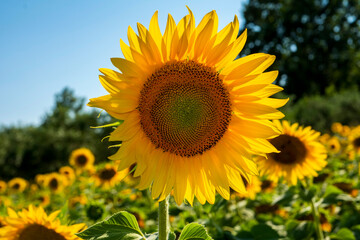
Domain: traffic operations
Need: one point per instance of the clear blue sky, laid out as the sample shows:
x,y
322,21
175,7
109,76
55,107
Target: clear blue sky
x,y
47,45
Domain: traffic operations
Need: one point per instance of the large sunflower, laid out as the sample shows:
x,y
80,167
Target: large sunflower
x,y
34,223
300,154
82,159
192,114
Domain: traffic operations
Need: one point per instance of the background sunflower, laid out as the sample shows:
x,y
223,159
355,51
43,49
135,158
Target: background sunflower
x,y
301,155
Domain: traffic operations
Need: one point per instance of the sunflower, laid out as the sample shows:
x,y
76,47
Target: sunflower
x,y
336,127
333,145
252,188
3,186
17,185
108,176
82,159
55,182
354,140
34,223
43,199
68,172
193,116
40,179
301,154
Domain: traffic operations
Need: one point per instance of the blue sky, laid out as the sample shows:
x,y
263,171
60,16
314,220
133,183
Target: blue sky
x,y
48,45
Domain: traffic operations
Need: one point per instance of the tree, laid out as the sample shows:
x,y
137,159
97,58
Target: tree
x,y
316,42
28,150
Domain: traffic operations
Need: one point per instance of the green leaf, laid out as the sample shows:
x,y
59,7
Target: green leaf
x,y
194,231
263,231
300,230
121,225
343,234
155,236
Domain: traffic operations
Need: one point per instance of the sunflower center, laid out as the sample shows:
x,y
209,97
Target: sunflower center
x,y
107,174
39,232
81,160
54,184
184,108
292,149
16,186
356,142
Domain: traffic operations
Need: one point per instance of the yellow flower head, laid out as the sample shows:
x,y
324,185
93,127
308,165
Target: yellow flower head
x,y
193,115
336,127
333,145
34,223
17,185
55,182
82,159
252,188
68,173
354,140
108,176
300,154
40,179
3,186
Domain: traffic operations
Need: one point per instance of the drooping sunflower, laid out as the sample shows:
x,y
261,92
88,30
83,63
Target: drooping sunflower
x,y
108,176
300,155
69,173
34,223
3,186
193,116
82,159
55,182
17,185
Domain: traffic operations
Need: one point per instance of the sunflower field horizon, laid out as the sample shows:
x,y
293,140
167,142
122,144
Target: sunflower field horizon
x,y
206,127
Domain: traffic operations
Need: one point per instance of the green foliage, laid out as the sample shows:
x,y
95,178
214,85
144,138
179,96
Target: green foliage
x,y
28,150
316,42
194,231
121,225
320,112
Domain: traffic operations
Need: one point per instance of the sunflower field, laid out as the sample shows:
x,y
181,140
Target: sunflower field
x,y
83,193
200,152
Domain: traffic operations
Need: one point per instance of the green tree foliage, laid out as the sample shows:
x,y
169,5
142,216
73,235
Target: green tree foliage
x,y
316,42
28,150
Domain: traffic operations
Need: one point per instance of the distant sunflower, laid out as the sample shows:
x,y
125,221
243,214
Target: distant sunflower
x,y
40,179
34,223
336,127
82,159
55,182
68,172
108,176
354,140
333,145
43,199
3,186
193,116
252,188
300,154
17,185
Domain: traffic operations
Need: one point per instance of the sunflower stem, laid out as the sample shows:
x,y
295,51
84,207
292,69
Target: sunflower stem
x,y
316,216
164,226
